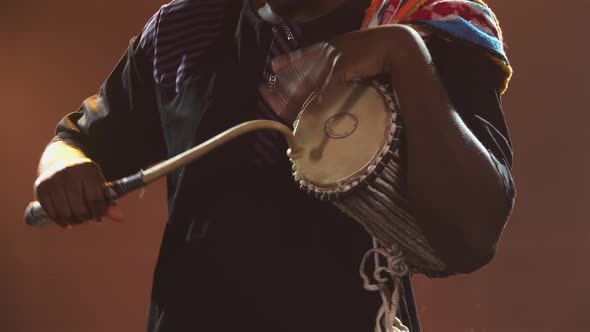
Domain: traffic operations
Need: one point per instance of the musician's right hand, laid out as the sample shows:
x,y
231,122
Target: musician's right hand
x,y
71,192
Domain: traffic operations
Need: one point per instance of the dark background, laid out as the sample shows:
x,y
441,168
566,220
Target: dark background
x,y
97,278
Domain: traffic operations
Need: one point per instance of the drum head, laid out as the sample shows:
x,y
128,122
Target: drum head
x,y
343,136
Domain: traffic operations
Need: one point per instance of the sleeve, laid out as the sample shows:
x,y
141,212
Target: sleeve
x,y
473,82
119,128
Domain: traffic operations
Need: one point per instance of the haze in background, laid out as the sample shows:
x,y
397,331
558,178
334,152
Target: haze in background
x,y
95,279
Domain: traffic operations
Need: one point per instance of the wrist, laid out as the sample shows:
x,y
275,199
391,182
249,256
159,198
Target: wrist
x,y
59,155
61,164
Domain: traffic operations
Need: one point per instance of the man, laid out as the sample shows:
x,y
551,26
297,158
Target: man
x,y
243,247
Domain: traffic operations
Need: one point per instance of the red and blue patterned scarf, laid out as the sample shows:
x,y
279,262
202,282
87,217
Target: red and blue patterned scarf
x,y
471,21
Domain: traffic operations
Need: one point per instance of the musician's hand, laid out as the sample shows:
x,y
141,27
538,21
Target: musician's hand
x,y
71,193
325,67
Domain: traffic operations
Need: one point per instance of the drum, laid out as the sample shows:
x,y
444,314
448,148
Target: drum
x,y
352,159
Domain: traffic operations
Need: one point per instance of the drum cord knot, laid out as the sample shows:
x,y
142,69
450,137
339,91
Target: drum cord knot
x,y
390,267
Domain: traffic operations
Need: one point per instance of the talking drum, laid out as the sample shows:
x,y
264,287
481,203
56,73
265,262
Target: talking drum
x,y
352,159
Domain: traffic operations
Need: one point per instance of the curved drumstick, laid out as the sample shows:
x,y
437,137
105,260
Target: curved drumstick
x,y
35,216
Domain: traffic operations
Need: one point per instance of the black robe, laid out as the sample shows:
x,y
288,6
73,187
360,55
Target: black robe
x,y
243,247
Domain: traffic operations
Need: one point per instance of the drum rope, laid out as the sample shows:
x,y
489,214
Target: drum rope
x,y
392,271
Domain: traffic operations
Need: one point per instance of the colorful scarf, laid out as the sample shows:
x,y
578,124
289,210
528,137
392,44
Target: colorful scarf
x,y
471,21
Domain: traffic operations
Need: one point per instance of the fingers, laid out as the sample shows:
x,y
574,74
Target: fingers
x,y
299,74
325,67
59,198
45,200
314,51
306,69
79,210
94,198
333,81
74,195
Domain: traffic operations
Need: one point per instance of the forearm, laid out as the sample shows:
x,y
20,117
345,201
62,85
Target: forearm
x,y
454,188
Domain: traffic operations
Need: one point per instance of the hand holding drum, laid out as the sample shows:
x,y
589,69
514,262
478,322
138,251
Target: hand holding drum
x,y
351,128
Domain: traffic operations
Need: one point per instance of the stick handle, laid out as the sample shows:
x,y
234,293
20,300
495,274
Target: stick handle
x,y
35,215
295,150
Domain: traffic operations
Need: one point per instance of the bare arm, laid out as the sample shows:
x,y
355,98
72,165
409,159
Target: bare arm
x,y
454,187
118,129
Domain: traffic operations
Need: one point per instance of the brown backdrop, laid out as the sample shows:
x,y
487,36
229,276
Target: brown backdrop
x,y
95,279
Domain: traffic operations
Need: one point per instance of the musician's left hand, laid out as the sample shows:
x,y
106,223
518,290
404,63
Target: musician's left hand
x,y
325,67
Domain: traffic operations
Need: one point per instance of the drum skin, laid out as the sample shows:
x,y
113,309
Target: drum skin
x,y
342,136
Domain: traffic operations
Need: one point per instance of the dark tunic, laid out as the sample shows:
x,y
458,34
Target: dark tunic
x,y
243,248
